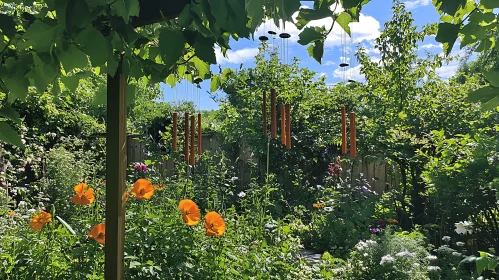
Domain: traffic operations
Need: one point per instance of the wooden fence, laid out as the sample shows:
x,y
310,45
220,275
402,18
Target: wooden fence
x,y
379,176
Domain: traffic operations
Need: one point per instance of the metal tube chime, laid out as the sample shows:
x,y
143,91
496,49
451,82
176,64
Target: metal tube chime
x,y
186,137
200,136
288,126
353,136
273,116
193,133
343,130
283,124
175,125
264,113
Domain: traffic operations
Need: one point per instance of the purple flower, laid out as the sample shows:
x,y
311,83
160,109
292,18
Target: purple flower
x,y
139,166
374,230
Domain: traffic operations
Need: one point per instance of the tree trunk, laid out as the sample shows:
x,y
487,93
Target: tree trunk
x,y
417,199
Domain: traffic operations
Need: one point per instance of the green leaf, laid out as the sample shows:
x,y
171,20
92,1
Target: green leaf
x,y
44,72
171,46
491,104
41,34
219,11
185,17
215,83
492,263
307,15
203,68
492,78
481,264
95,45
66,225
449,6
343,20
256,12
17,83
77,15
9,135
204,49
447,35
100,97
10,113
490,4
8,25
126,9
348,4
486,44
72,82
71,58
316,50
130,94
172,80
310,34
483,94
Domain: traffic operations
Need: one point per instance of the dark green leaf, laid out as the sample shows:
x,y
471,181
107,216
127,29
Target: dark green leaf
x,y
310,34
71,58
490,4
9,135
483,94
307,15
100,97
7,25
95,45
316,50
481,264
77,15
449,6
204,48
447,35
41,34
492,78
491,104
203,68
347,4
185,17
171,46
126,9
256,12
17,83
10,113
130,94
66,225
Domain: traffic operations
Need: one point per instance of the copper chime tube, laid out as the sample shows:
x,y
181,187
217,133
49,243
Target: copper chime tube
x,y
186,137
200,136
273,116
264,113
283,124
343,130
175,125
288,126
353,136
193,133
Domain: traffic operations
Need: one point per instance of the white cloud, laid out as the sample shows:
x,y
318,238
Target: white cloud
x,y
432,46
322,74
447,71
352,73
413,4
236,57
328,63
368,28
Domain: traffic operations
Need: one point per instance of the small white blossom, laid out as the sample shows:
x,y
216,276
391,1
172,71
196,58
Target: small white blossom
x,y
25,217
446,238
366,254
386,260
457,254
22,204
460,244
241,194
328,209
464,227
433,268
405,254
31,211
431,257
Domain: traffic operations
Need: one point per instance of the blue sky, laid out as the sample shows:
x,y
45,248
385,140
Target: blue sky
x,y
372,19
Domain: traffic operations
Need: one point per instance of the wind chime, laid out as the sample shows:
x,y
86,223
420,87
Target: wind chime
x,y
285,108
346,76
190,125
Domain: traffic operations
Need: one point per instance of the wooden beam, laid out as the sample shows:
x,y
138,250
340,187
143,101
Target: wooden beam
x,y
273,115
264,113
186,137
287,108
353,136
192,159
343,130
283,125
116,162
175,125
200,136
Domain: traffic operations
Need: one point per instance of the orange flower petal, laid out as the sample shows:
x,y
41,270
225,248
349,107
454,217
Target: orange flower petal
x,y
142,188
214,224
39,220
11,213
98,232
80,188
89,195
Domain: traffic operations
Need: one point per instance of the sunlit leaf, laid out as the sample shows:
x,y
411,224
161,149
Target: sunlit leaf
x,y
9,135
447,35
10,113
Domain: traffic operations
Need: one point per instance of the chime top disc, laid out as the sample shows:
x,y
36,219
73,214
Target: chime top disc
x,y
351,81
284,35
272,32
198,80
344,64
263,38
187,72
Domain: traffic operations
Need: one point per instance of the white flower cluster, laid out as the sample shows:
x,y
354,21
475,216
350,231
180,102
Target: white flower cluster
x,y
446,238
364,244
386,260
464,227
433,268
405,254
431,257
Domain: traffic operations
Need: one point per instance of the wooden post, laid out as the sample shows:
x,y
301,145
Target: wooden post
x,y
288,126
186,137
200,136
193,146
343,130
283,124
116,162
264,113
273,116
353,136
175,125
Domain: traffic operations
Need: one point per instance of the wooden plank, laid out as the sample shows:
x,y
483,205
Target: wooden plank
x,y
116,162
343,130
273,115
353,136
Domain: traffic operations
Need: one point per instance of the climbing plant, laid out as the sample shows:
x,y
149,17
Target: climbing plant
x,y
53,44
474,23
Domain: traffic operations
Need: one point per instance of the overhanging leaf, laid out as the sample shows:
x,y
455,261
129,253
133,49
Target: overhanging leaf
x,y
310,34
95,45
307,15
481,264
66,225
171,46
447,35
215,83
316,50
449,6
343,20
10,113
9,135
8,25
490,4
483,94
71,58
126,9
492,78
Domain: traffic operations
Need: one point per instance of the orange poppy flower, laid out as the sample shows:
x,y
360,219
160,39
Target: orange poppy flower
x,y
319,205
11,213
190,212
39,220
83,195
158,187
214,224
98,232
142,188
393,221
